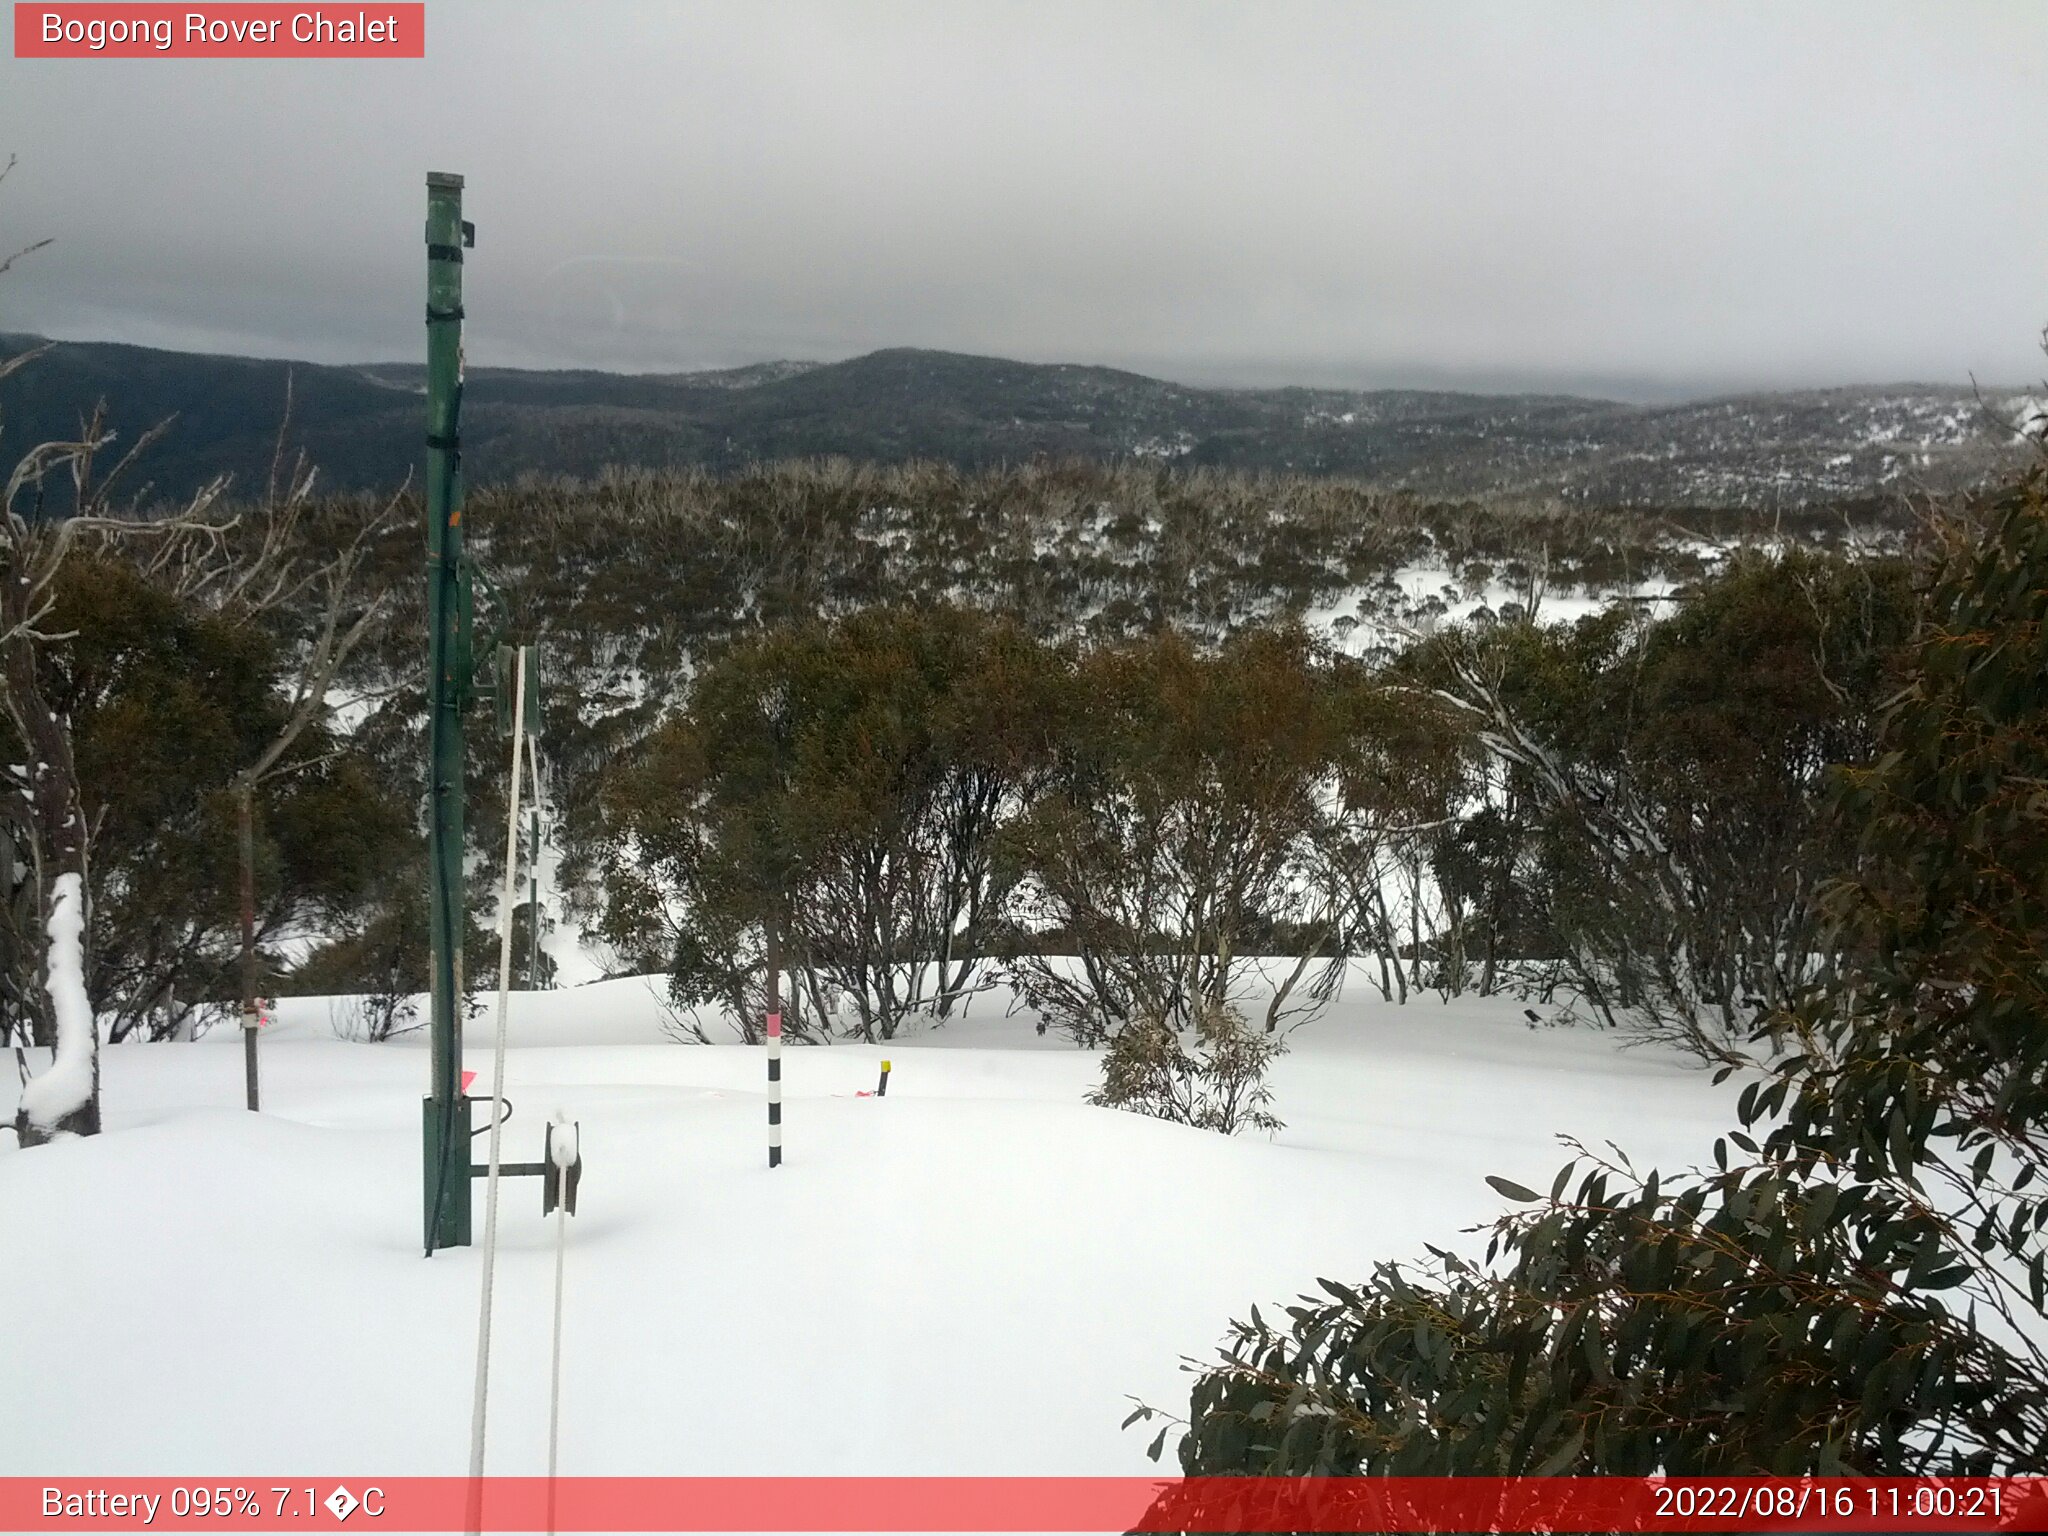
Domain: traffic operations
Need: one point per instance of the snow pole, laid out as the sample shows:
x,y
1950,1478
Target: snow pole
x,y
775,1088
774,1047
446,1130
882,1087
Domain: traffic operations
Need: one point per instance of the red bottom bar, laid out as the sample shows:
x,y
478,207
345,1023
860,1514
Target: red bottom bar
x,y
1049,1504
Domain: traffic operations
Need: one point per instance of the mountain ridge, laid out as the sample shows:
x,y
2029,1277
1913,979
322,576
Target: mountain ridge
x,y
361,424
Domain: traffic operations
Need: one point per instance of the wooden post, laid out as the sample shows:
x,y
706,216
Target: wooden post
x,y
245,837
882,1087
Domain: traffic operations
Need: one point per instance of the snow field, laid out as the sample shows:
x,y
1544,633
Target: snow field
x,y
970,1276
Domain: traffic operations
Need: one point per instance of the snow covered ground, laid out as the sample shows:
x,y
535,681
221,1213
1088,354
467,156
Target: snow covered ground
x,y
969,1276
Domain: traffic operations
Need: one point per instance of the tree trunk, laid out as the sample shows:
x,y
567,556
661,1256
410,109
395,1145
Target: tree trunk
x,y
65,1098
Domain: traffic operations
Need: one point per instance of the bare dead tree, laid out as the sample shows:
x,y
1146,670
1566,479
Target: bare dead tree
x,y
37,536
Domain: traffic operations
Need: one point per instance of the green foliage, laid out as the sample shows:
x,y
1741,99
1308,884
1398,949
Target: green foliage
x,y
1628,808
1748,1322
839,785
1215,1083
1930,1063
379,967
165,702
1663,806
904,794
639,579
1858,1287
1177,823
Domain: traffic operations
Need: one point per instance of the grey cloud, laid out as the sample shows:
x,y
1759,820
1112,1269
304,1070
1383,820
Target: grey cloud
x,y
1645,198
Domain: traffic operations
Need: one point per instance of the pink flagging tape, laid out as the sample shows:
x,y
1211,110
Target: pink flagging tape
x,y
775,1024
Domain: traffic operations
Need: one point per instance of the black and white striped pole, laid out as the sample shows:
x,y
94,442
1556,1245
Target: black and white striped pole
x,y
774,1050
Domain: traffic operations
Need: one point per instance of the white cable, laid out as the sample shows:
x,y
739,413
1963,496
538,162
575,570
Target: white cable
x,y
483,1321
561,1154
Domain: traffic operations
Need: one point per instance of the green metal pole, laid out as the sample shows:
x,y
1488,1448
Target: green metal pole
x,y
449,668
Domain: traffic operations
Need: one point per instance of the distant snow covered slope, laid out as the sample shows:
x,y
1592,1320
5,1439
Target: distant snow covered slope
x,y
968,1276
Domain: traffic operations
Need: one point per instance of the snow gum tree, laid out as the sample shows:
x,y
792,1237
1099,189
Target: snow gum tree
x,y
1408,775
1661,783
836,788
1177,831
164,700
48,819
1859,1283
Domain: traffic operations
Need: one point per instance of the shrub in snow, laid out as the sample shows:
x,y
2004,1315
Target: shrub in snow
x,y
1755,1322
368,1018
380,973
1216,1083
1861,1284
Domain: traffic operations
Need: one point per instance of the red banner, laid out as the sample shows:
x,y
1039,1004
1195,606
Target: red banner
x,y
101,31
1050,1504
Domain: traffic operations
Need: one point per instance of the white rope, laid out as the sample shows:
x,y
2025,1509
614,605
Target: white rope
x,y
483,1321
560,1175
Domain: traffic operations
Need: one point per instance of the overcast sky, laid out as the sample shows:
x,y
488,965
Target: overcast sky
x,y
1629,198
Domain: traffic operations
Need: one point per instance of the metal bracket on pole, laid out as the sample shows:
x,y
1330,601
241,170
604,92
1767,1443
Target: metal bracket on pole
x,y
501,688
560,1169
565,1157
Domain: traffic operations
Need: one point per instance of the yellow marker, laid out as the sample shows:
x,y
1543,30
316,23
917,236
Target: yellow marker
x,y
885,1066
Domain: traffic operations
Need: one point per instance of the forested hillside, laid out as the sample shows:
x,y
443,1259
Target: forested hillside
x,y
640,586
362,425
